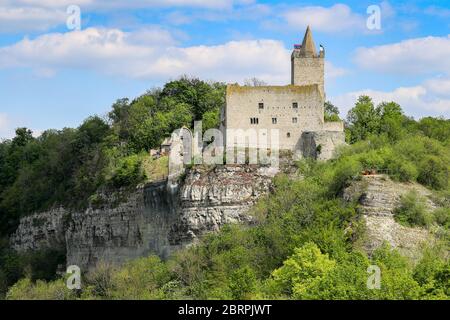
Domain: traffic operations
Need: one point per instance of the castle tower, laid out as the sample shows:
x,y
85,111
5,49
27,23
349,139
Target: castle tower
x,y
307,65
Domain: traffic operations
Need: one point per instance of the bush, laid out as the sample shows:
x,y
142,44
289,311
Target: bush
x,y
432,273
442,217
242,283
345,171
299,273
402,170
433,172
25,289
140,279
397,282
128,171
412,211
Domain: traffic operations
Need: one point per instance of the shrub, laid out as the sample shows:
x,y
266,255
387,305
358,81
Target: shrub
x,y
402,170
25,289
242,283
433,172
140,279
412,211
307,266
432,273
442,216
128,171
345,170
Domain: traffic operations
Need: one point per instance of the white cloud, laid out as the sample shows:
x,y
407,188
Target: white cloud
x,y
421,56
337,18
431,97
332,72
8,126
439,86
152,54
41,15
5,128
438,11
29,18
114,4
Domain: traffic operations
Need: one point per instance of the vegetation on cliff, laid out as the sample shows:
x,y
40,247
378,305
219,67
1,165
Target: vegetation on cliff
x,y
303,246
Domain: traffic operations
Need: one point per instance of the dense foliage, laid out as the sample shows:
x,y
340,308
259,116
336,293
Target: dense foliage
x,y
306,243
67,167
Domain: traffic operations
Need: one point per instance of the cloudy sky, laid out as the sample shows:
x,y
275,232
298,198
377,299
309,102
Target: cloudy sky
x,y
54,77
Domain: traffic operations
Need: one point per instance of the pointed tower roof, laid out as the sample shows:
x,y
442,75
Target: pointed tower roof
x,y
308,45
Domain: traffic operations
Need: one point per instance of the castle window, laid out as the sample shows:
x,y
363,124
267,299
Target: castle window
x,y
261,105
274,120
294,120
295,105
254,120
288,134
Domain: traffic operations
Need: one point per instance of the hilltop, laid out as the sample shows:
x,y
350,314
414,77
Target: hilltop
x,y
303,239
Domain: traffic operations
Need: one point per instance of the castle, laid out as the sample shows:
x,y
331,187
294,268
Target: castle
x,y
296,110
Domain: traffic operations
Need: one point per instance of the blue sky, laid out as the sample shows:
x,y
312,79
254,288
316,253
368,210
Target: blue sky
x,y
53,77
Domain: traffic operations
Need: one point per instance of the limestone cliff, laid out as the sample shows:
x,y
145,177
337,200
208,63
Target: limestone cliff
x,y
213,197
156,218
378,197
41,230
136,227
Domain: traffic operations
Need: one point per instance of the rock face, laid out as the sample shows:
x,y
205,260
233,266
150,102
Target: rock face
x,y
135,228
41,231
378,197
154,219
213,197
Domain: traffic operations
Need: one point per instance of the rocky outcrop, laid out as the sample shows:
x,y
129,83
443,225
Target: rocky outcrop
x,y
41,231
378,197
212,197
153,219
134,228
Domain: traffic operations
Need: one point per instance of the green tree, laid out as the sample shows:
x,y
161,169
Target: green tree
x,y
363,120
331,112
307,266
242,283
391,119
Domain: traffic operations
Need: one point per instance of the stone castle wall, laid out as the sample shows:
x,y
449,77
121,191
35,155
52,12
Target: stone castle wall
x,y
243,105
321,145
307,71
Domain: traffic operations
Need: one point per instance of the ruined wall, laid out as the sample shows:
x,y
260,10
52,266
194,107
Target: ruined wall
x,y
333,126
320,145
